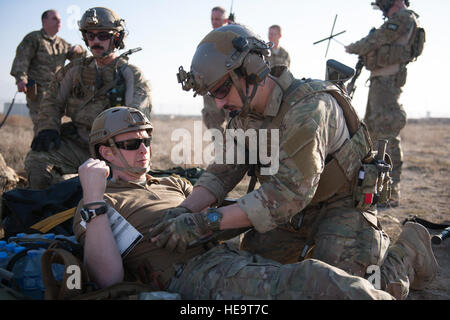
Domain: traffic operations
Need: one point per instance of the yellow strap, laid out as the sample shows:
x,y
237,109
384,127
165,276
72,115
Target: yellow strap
x,y
50,222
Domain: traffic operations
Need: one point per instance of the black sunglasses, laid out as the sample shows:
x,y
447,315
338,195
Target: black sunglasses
x,y
222,91
133,144
102,36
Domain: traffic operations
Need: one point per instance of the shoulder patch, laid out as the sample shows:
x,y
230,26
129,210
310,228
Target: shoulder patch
x,y
392,26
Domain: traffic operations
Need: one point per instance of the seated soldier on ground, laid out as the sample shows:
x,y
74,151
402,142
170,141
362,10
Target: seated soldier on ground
x,y
120,140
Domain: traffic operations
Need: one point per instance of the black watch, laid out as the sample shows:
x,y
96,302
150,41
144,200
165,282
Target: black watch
x,y
89,214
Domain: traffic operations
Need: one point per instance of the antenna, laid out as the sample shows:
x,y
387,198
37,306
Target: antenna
x,y
332,36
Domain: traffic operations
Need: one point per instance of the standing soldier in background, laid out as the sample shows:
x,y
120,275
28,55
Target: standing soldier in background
x,y
38,57
278,55
385,52
82,90
213,118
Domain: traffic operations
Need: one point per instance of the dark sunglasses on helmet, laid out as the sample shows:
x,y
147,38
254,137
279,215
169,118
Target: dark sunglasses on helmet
x,y
222,91
102,36
133,144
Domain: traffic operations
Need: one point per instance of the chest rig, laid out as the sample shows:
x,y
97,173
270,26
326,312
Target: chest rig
x,y
91,83
342,166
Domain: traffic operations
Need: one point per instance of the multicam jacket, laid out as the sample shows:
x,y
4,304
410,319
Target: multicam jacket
x,y
39,57
391,44
311,131
81,91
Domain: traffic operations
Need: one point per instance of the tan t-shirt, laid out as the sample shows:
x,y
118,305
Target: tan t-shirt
x,y
143,205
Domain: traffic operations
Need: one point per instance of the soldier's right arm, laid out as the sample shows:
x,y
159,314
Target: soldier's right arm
x,y
54,101
388,33
24,54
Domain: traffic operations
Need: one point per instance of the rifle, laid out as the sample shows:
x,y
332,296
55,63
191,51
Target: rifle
x,y
9,110
231,15
351,88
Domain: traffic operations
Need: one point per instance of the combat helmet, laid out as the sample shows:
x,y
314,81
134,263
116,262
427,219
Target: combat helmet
x,y
112,122
100,18
385,5
229,50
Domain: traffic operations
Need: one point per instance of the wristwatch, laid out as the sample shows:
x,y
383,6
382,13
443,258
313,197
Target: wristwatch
x,y
213,219
89,214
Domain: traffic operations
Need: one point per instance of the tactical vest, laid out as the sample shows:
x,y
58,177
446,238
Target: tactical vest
x,y
89,83
342,166
397,53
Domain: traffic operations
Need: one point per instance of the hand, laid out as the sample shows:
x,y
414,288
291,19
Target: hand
x,y
77,49
174,212
22,86
93,174
180,232
46,140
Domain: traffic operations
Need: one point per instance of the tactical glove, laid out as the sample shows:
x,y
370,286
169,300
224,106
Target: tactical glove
x,y
175,212
178,233
46,140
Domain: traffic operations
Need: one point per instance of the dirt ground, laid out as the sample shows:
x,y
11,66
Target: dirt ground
x,y
425,177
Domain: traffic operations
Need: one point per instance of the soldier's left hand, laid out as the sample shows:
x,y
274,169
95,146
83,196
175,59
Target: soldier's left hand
x,y
77,49
179,233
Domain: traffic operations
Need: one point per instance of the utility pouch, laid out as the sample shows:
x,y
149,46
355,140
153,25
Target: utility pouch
x,y
366,187
384,56
400,78
373,184
32,90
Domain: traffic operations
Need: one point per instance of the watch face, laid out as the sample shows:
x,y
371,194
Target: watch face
x,y
213,217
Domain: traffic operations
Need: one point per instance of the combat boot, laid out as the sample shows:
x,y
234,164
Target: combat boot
x,y
414,247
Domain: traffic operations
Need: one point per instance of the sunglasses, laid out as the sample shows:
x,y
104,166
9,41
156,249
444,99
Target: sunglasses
x,y
102,36
222,91
133,144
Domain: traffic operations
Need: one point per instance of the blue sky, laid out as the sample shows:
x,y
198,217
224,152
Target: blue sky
x,y
169,31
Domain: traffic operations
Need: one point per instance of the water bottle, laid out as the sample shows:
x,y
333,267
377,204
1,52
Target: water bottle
x,y
3,245
3,259
19,267
32,275
58,271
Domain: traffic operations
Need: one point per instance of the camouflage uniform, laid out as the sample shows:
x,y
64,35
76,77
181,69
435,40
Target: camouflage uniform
x,y
279,56
385,52
213,117
74,94
38,58
287,206
222,272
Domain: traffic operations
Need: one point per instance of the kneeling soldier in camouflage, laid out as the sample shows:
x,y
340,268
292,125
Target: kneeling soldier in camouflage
x,y
81,90
121,141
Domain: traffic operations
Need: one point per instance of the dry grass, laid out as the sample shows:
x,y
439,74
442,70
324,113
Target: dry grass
x,y
15,140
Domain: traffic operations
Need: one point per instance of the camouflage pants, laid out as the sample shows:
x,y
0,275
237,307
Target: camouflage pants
x,y
344,238
385,118
33,107
46,168
225,272
213,117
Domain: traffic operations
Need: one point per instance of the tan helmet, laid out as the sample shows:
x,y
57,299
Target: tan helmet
x,y
223,51
232,50
114,121
100,18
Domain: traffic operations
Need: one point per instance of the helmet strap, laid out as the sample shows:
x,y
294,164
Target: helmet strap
x,y
133,171
246,100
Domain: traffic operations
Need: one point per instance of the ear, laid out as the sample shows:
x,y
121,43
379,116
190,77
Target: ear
x,y
105,152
